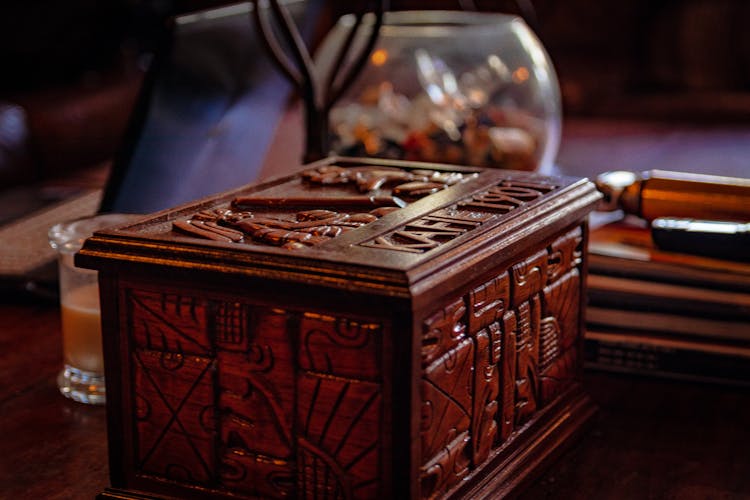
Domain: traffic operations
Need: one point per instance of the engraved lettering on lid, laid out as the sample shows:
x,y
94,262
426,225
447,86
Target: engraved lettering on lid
x,y
444,225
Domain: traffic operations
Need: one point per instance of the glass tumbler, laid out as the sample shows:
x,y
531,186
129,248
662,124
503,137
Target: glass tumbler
x,y
82,377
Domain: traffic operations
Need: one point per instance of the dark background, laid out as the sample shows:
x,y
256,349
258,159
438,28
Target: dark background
x,y
72,70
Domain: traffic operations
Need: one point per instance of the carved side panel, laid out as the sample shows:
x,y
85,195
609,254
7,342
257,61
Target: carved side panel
x,y
446,390
527,359
559,336
522,327
484,427
442,331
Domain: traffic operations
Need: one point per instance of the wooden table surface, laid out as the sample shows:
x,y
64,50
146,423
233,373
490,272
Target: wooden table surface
x,y
651,439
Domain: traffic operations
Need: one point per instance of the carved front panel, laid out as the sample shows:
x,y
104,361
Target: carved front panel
x,y
253,400
338,407
522,330
175,421
340,346
256,393
339,424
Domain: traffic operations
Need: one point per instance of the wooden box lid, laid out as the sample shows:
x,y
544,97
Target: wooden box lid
x,y
352,223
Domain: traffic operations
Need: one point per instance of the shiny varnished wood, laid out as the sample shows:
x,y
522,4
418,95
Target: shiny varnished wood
x,y
259,344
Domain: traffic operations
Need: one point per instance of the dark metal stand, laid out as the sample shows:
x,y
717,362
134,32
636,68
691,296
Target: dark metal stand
x,y
319,92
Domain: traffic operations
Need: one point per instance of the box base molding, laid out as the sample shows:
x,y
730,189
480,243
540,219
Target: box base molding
x,y
506,474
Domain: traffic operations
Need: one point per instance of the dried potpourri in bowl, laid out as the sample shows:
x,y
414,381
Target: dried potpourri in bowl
x,y
454,87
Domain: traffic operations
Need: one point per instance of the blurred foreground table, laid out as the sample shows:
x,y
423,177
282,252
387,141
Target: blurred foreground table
x,y
652,439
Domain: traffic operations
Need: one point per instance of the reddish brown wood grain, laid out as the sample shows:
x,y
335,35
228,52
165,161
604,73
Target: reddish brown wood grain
x,y
484,273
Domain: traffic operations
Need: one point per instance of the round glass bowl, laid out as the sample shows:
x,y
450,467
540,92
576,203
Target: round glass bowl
x,y
451,87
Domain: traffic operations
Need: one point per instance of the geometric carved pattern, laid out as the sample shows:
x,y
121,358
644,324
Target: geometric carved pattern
x,y
527,359
443,331
339,346
447,389
521,345
446,224
339,452
174,413
256,401
446,468
489,302
528,277
169,323
256,395
565,253
559,332
484,427
508,375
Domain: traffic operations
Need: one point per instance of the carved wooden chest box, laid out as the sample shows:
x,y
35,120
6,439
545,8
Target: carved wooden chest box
x,y
362,329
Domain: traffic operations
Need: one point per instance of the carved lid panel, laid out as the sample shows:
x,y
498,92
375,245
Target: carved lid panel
x,y
386,216
317,205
